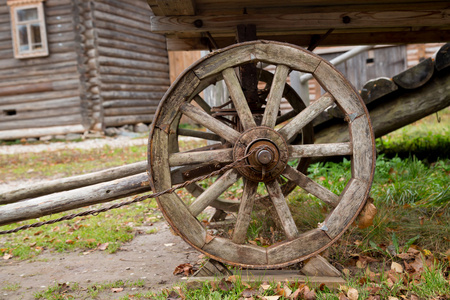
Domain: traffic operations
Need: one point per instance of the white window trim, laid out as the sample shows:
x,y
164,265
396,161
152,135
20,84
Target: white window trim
x,y
14,5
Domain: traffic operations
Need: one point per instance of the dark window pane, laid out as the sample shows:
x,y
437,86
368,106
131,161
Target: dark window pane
x,y
27,14
36,36
23,38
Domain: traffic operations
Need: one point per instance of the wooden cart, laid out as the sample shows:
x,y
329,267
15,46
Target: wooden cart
x,y
258,44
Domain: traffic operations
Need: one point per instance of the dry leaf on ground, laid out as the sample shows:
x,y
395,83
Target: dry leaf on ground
x,y
116,290
185,269
396,267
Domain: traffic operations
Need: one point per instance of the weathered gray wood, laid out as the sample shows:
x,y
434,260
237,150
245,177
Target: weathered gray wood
x,y
398,110
14,134
198,157
41,122
171,204
127,54
311,186
123,120
177,8
284,214
305,116
274,97
73,199
50,104
69,183
351,202
130,63
202,103
342,91
46,113
320,150
121,111
199,134
238,98
416,76
363,162
213,192
209,122
245,212
442,57
222,204
319,266
377,88
300,248
246,254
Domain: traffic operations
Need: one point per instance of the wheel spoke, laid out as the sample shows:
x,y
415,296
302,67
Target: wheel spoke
x,y
286,116
191,158
245,211
305,116
238,97
202,103
274,98
199,134
209,122
320,150
311,186
284,214
214,191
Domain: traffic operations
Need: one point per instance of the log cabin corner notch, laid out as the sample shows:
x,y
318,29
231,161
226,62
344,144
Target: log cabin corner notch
x,y
29,33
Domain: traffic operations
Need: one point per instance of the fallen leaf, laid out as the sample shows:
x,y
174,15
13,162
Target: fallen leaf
x,y
70,242
38,232
173,296
392,298
185,269
271,297
7,256
225,285
209,238
342,296
352,294
396,267
116,290
367,215
248,293
102,247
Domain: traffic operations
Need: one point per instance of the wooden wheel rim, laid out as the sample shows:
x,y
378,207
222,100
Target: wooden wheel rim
x,y
361,147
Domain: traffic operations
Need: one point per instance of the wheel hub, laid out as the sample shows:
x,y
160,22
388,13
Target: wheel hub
x,y
266,163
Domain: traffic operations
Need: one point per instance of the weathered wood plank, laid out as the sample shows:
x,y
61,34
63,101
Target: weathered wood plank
x,y
120,111
351,202
110,33
442,58
129,103
122,62
139,16
117,44
377,88
336,84
209,122
302,247
39,96
185,223
363,162
202,103
131,95
320,150
284,214
245,212
244,254
21,115
130,54
238,98
42,122
133,33
305,116
123,120
311,186
199,134
301,21
136,87
14,134
109,76
67,200
416,76
198,157
74,182
177,7
274,97
47,104
213,192
222,204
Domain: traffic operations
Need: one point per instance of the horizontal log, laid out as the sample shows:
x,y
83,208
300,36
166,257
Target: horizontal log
x,y
60,28
59,38
46,104
35,80
130,72
132,32
122,62
42,122
139,7
132,95
109,33
129,54
139,16
135,47
121,111
416,76
129,103
398,110
20,63
58,9
14,134
53,20
73,199
20,115
123,120
74,182
56,3
136,87
40,70
149,80
36,97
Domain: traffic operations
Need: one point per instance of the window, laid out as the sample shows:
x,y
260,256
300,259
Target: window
x,y
28,28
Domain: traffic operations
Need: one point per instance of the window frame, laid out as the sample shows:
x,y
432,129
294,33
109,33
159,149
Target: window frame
x,y
17,5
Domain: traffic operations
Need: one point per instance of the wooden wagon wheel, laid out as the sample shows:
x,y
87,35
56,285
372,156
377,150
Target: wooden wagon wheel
x,y
266,166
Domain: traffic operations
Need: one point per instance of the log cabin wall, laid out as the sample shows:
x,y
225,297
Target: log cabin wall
x,y
132,61
41,96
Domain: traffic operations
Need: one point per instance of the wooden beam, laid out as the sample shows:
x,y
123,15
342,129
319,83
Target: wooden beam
x,y
176,7
302,21
337,38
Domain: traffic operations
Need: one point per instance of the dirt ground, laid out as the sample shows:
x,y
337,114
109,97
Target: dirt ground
x,y
149,257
